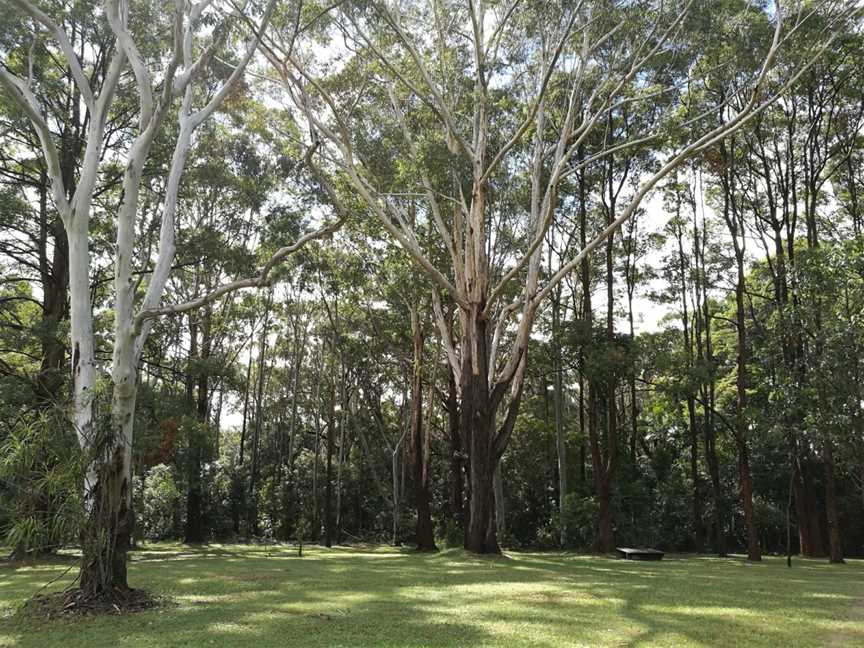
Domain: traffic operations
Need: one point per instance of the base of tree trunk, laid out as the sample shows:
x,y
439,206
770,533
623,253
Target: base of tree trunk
x,y
76,602
484,548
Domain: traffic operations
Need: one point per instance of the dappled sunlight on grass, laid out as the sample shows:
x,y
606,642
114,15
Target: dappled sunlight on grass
x,y
266,596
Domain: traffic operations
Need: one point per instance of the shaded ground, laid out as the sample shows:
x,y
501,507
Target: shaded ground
x,y
253,597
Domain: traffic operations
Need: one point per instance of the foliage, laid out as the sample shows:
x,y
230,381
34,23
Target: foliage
x,y
39,484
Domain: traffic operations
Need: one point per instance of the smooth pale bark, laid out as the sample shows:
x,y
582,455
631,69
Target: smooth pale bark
x,y
108,441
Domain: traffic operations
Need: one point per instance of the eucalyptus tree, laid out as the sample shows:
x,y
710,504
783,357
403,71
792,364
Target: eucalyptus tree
x,y
458,99
34,239
177,79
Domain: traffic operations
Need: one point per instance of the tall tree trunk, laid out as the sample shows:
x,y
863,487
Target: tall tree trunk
x,y
252,505
194,531
606,458
425,536
754,551
500,508
196,520
477,423
55,281
107,531
456,451
107,534
719,516
811,541
835,540
735,223
246,389
328,475
698,540
340,459
316,507
634,400
560,438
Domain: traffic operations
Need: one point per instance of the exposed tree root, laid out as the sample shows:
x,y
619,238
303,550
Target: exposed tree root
x,y
76,602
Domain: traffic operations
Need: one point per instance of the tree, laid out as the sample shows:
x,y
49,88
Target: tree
x,y
435,109
186,75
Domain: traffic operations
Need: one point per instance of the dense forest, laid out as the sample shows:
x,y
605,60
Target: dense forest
x,y
574,274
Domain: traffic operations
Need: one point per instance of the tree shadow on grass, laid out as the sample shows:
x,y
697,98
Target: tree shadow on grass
x,y
263,597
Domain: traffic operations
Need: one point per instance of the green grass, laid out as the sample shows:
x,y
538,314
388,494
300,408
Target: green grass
x,y
252,597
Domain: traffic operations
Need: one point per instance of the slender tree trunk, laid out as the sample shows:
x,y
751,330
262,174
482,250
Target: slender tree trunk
x,y
425,536
500,508
456,491
634,400
698,536
252,505
194,531
698,540
328,475
316,508
299,343
835,540
735,224
560,438
397,508
754,551
340,462
55,282
717,492
606,458
246,390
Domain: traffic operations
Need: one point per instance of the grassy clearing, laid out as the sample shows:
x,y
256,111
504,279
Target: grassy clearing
x,y
230,595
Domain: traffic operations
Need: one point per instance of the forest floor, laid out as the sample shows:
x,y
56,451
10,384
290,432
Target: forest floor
x,y
259,597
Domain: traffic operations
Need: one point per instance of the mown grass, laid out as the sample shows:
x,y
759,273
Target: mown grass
x,y
257,597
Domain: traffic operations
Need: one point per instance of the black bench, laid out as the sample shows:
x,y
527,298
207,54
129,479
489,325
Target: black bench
x,y
628,553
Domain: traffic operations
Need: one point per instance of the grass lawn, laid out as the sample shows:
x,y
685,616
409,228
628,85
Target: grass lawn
x,y
229,595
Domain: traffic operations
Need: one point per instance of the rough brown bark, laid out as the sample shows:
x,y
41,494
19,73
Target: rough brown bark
x,y
55,308
107,533
477,424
